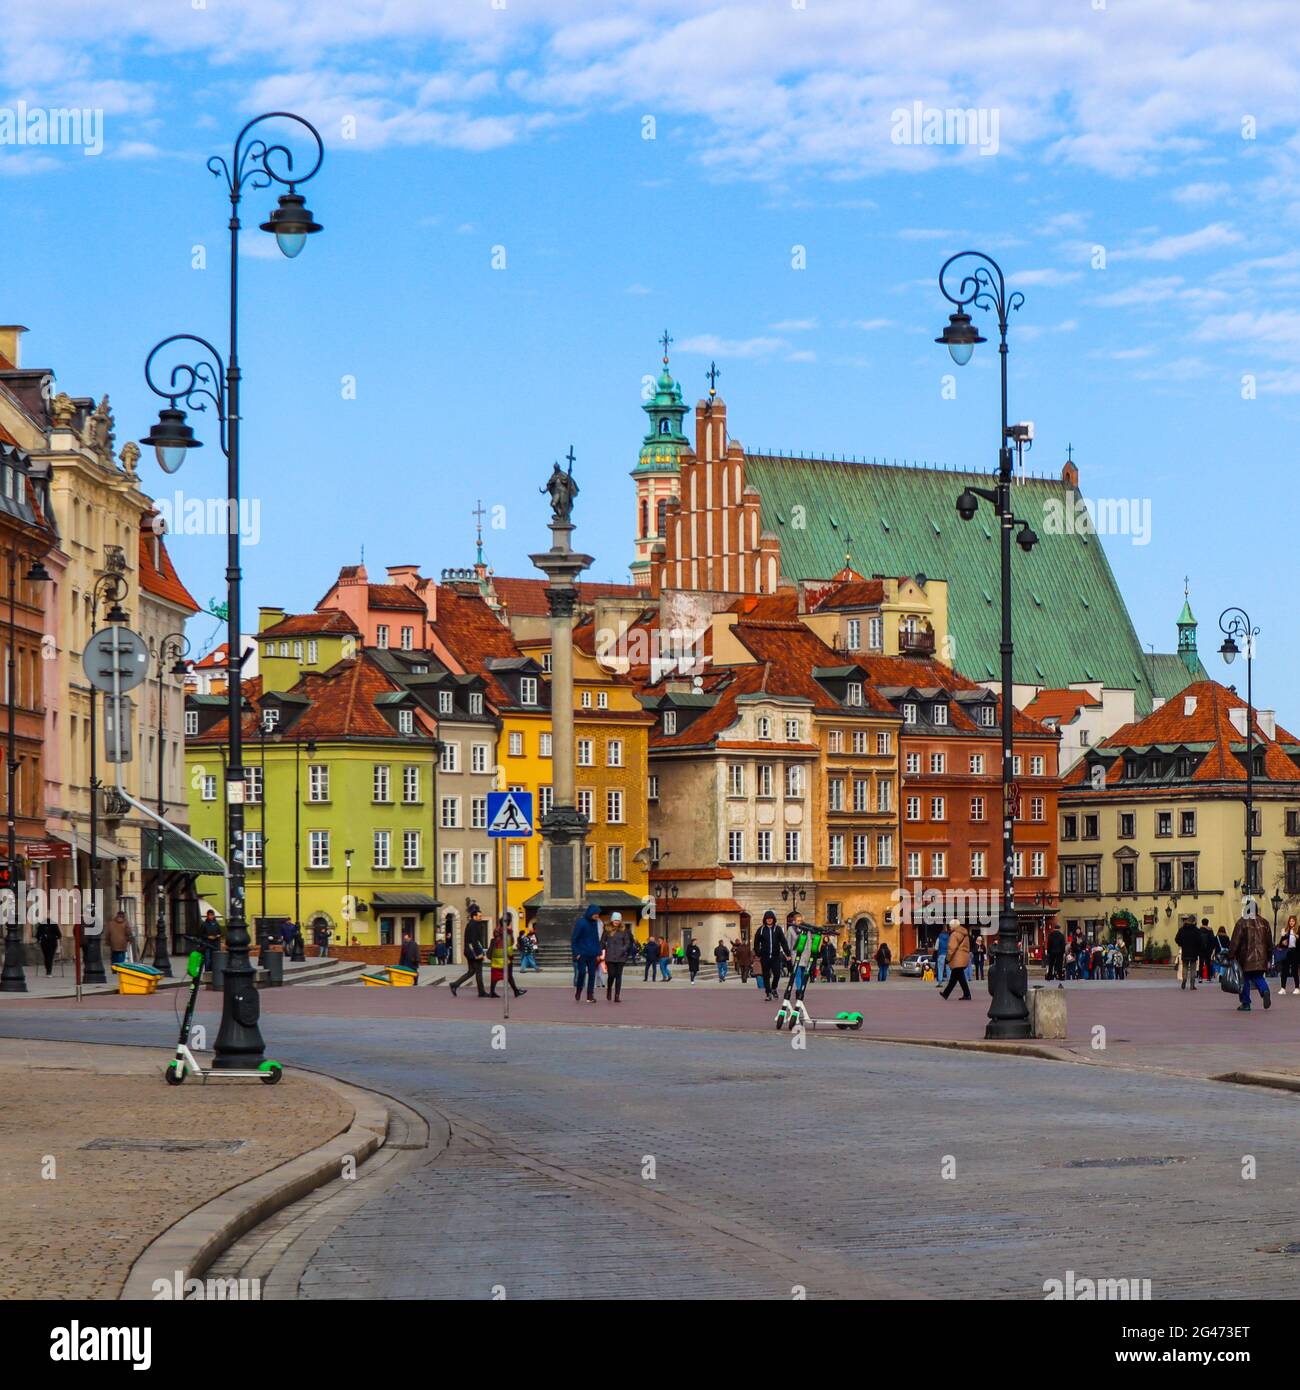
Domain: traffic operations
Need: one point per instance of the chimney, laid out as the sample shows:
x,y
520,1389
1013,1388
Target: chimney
x,y
1267,723
403,575
10,343
1238,718
268,617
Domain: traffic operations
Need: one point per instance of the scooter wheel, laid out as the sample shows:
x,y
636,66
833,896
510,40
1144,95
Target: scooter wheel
x,y
842,1026
270,1078
174,1072
856,1024
780,1022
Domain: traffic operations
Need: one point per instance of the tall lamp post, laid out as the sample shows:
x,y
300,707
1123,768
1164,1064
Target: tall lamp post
x,y
297,828
983,285
239,1040
1235,623
173,647
347,897
110,586
12,979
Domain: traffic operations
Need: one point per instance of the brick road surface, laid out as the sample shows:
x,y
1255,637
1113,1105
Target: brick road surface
x,y
77,1233
777,1167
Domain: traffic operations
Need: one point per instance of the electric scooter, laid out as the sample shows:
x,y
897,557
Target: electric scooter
x,y
185,1063
793,1010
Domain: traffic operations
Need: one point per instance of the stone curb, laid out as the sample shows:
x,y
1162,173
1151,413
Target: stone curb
x,y
192,1244
1277,1081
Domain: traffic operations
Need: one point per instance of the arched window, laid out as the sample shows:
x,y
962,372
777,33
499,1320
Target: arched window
x,y
661,516
665,427
645,517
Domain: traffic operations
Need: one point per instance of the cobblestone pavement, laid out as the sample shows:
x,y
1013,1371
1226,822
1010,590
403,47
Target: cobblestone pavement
x,y
776,1168
79,1207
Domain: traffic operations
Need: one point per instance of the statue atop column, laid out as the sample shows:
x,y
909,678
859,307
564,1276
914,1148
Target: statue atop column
x,y
562,488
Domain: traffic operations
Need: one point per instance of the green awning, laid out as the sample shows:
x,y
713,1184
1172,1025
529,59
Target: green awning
x,y
419,902
179,856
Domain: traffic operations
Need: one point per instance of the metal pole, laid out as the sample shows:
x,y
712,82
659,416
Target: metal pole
x,y
297,852
161,957
12,980
1250,762
94,949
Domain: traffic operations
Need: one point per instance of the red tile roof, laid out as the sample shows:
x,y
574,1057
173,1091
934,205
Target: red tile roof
x,y
527,597
667,907
1062,705
394,596
328,622
925,672
161,579
1209,722
793,650
473,634
859,593
780,607
685,875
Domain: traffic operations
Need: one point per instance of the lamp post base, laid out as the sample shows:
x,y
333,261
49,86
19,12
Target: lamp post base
x,y
239,1045
1008,984
13,980
93,961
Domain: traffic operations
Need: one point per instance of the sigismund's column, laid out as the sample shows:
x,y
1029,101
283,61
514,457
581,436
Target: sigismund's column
x,y
564,830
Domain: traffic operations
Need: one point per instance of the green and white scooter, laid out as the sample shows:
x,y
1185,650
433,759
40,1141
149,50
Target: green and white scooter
x,y
793,1010
185,1063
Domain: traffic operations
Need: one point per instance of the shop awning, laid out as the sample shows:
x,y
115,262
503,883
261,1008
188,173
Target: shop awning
x,y
179,856
104,847
404,902
609,898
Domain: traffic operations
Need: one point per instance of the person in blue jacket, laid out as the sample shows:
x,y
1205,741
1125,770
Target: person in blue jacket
x,y
586,951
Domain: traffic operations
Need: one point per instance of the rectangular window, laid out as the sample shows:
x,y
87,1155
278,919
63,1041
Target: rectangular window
x,y
793,846
884,851
978,864
859,740
516,744
938,863
602,699
835,793
1018,864
1070,827
735,846
882,745
478,813
585,803
318,782
480,757
614,863
410,784
977,808
835,741
938,763
653,788
408,638
614,807
765,779
909,712
794,780
792,731
1037,808
913,863
313,652
480,866
584,752
836,852
938,808
381,636
191,722
1015,766
1187,874
544,745
584,699
1164,823
853,693
913,765
252,784
451,865
1127,825
1090,830
450,813
913,808
210,844
528,690
1037,864
988,715
252,849
545,800
1092,878
736,779
383,858
670,721
515,865
614,753
939,713
861,794
410,849
209,788
1070,879
764,853
1187,822
450,760
379,783
318,849
1036,765
860,851
875,633
1127,876
446,702
405,721
977,764
853,634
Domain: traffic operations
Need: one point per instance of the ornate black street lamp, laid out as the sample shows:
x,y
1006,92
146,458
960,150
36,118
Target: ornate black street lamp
x,y
13,980
173,648
1234,623
985,287
239,1042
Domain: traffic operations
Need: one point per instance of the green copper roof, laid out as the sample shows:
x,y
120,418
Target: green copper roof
x,y
664,441
1185,618
1070,622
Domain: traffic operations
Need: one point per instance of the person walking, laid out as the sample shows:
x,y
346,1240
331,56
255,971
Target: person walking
x,y
1252,948
720,958
692,954
979,953
1056,956
1288,941
47,938
501,957
475,952
665,960
528,950
586,949
884,959
771,948
651,960
830,954
1188,941
1207,949
743,955
617,944
119,938
958,958
941,966
410,952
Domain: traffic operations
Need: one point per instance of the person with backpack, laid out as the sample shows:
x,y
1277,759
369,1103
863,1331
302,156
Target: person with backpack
x,y
651,954
1252,948
585,943
884,959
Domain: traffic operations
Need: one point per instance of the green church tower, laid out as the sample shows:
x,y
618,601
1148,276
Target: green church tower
x,y
658,463
1187,638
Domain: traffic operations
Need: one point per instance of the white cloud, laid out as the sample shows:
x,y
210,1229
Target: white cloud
x,y
794,326
710,345
1194,194
1172,248
870,325
1048,277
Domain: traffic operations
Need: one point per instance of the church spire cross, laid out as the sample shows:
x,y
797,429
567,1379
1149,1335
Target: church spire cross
x,y
570,457
1069,453
664,342
478,514
713,374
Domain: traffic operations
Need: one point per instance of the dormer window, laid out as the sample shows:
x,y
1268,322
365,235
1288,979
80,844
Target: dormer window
x,y
476,702
939,711
765,727
191,722
909,712
446,702
528,690
988,715
853,693
670,721
270,718
405,721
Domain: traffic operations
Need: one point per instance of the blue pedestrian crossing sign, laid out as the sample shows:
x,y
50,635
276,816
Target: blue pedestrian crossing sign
x,y
510,815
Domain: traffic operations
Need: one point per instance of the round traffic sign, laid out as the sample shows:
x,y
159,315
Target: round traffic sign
x,y
115,659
